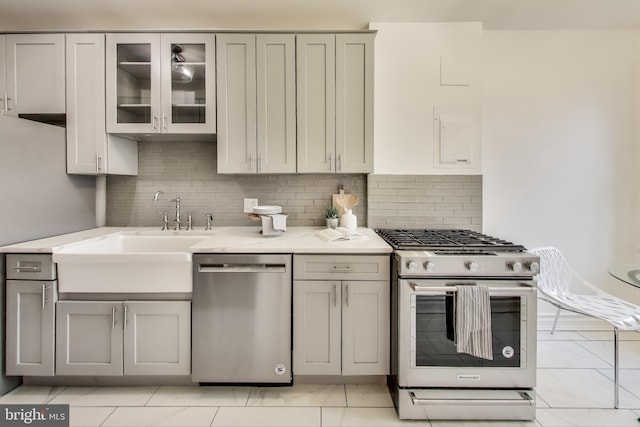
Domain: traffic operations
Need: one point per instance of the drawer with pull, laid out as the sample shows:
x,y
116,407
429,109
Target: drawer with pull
x,y
341,267
30,267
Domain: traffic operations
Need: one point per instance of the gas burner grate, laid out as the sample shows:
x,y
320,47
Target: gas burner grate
x,y
445,239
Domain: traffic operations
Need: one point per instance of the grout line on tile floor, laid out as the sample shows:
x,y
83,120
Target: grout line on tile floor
x,y
596,355
107,417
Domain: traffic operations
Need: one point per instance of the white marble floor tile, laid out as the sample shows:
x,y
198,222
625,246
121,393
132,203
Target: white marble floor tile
x,y
200,396
161,416
256,416
31,395
559,336
89,416
299,395
629,352
580,388
105,396
368,395
540,403
629,379
365,417
567,354
608,335
487,423
586,417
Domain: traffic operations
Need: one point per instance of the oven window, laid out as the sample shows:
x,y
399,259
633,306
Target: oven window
x,y
435,333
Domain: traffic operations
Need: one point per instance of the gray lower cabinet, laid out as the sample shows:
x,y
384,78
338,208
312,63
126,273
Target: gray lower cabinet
x,y
341,326
123,338
30,327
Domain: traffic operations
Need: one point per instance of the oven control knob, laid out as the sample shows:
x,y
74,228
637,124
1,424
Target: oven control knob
x,y
412,266
515,266
472,266
533,266
429,266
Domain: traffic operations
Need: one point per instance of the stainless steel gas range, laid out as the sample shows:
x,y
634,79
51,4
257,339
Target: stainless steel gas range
x,y
430,378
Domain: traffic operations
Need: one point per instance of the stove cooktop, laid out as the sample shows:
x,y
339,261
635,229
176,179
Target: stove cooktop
x,y
445,240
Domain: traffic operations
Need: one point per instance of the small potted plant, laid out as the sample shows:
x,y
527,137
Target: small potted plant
x,y
331,213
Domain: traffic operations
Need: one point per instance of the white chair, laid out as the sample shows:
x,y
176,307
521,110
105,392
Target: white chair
x,y
559,284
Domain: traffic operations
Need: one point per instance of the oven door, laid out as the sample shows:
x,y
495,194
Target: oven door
x,y
426,341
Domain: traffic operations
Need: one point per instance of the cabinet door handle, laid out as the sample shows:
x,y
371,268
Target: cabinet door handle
x,y
26,267
164,122
155,123
341,268
6,100
259,164
339,165
346,296
335,295
330,163
98,163
250,163
126,313
44,295
113,317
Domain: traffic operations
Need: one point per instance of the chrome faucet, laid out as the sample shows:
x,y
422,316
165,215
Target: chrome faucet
x,y
165,220
160,195
177,221
209,220
190,219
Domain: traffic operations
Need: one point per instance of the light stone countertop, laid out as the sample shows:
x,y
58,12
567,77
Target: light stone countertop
x,y
53,243
297,240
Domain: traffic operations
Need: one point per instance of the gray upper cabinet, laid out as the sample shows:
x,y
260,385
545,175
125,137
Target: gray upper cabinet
x,y
34,74
256,103
354,103
160,83
335,102
315,74
236,103
276,98
30,327
90,150
4,102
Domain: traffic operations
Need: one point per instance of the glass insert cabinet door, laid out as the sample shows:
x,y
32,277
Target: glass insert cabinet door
x,y
188,83
160,83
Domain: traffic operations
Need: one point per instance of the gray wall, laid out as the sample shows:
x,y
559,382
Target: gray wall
x,y
38,198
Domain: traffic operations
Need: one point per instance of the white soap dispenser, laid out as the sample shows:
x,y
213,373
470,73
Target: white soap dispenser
x,y
349,220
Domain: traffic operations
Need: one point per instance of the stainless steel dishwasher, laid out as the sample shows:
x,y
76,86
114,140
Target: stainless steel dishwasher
x,y
241,319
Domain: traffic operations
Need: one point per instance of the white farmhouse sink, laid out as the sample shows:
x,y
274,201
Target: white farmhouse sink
x,y
129,262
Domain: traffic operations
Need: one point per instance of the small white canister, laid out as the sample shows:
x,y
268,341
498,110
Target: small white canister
x,y
349,220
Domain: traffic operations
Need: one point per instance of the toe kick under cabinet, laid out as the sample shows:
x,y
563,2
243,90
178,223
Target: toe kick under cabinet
x,y
341,315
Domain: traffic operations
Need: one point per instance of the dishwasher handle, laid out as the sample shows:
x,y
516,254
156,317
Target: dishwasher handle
x,y
242,268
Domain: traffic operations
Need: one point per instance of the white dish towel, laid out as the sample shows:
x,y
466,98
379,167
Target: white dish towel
x,y
473,321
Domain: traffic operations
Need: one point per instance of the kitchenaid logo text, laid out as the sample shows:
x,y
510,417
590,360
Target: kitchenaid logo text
x,y
34,415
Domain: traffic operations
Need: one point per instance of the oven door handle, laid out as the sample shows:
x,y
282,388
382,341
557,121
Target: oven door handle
x,y
493,290
524,400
